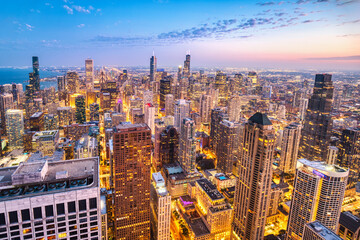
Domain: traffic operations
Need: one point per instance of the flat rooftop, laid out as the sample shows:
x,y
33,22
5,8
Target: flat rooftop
x,y
210,189
58,176
322,167
323,231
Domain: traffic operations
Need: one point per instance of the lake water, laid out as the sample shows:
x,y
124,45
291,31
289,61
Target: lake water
x,y
15,75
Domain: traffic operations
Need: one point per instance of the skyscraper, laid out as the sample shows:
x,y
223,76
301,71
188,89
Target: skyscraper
x,y
89,74
315,134
252,191
161,208
149,112
290,147
72,80
165,88
168,145
131,181
318,194
35,76
80,113
186,70
187,147
94,112
153,66
15,127
181,111
348,155
221,84
228,145
6,102
217,115
169,105
205,108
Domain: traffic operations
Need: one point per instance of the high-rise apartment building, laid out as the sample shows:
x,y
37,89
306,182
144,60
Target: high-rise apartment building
x,y
65,115
153,66
72,80
89,74
51,200
131,181
61,82
181,111
253,188
161,208
290,147
169,105
221,84
15,127
205,108
315,135
234,108
303,106
6,102
318,194
228,146
187,146
149,112
80,111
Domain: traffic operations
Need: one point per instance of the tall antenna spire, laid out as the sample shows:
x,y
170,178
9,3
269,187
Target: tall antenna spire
x,y
153,52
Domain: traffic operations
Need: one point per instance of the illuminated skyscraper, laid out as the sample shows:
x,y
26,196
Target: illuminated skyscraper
x,y
221,84
72,80
51,122
318,194
234,108
35,76
186,70
228,145
161,208
15,127
165,88
303,106
149,112
61,83
181,111
94,112
290,147
205,108
89,74
252,191
187,145
37,122
315,135
65,115
131,181
80,113
169,105
253,78
349,153
6,102
153,67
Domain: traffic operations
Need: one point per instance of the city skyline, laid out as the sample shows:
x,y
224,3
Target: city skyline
x,y
270,34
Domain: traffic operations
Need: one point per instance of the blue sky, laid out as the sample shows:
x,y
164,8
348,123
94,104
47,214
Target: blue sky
x,y
295,34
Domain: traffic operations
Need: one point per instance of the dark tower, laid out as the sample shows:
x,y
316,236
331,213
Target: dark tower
x,y
317,126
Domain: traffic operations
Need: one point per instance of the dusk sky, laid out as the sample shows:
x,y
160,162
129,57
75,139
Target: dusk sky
x,y
303,34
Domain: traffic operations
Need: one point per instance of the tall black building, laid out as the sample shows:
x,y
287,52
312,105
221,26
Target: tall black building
x,y
186,70
34,77
165,88
153,65
349,153
318,124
